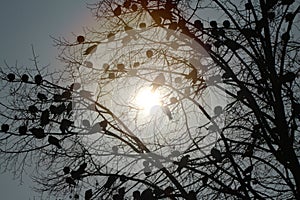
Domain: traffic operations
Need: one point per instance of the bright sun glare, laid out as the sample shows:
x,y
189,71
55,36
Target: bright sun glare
x,y
146,99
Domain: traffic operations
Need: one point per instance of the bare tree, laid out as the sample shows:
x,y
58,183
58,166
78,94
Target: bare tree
x,y
165,99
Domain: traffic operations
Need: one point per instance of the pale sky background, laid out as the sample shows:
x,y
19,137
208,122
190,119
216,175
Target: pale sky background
x,y
31,22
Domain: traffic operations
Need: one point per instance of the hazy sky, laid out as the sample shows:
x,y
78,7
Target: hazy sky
x,y
26,22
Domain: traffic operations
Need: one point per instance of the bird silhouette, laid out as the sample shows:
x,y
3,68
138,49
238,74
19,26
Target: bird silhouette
x,y
289,77
54,141
193,75
45,118
42,97
103,124
38,132
170,5
147,194
192,195
23,130
226,23
117,197
25,78
158,81
168,192
38,79
204,180
57,98
122,192
65,125
136,195
117,11
75,174
110,181
10,77
88,194
90,50
33,110
4,128
134,7
61,109
80,39
69,108
66,170
183,163
82,168
66,94
127,4
70,181
216,154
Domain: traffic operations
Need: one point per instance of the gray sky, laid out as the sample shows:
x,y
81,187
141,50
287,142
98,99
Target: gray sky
x,y
23,23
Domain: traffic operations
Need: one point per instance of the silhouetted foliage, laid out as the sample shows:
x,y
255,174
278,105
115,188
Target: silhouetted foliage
x,y
224,123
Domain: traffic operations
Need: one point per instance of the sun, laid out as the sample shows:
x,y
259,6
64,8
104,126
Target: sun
x,y
146,99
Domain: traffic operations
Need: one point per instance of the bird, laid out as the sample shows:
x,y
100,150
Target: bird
x,y
25,78
57,98
158,81
88,194
60,109
66,94
289,77
80,39
168,192
70,181
33,109
64,125
204,180
147,194
117,11
11,77
192,195
122,192
82,168
167,111
183,163
38,132
38,79
69,108
45,118
75,174
117,197
90,50
42,97
193,75
66,170
22,130
54,141
216,154
110,181
226,24
103,124
136,195
4,128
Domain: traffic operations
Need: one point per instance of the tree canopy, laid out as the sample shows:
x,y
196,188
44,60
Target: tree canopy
x,y
162,99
